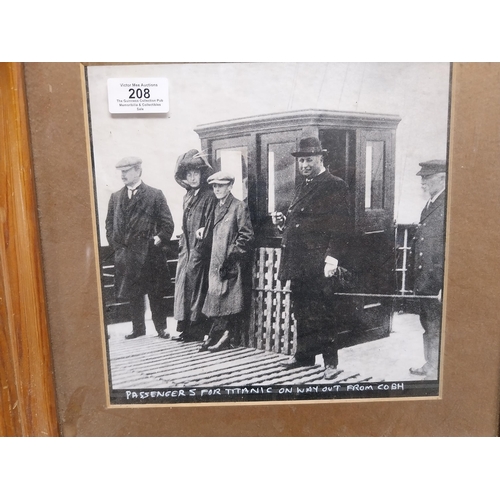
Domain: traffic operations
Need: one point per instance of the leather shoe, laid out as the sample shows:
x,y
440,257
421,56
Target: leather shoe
x,y
332,372
163,334
294,363
222,344
134,335
206,344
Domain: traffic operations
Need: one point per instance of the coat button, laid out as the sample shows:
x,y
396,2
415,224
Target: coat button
x,y
421,239
297,225
420,267
302,209
421,253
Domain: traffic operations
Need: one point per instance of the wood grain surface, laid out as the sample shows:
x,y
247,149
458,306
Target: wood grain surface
x,y
469,403
27,396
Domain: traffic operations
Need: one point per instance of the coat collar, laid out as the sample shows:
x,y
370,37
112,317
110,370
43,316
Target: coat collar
x,y
222,209
306,189
433,206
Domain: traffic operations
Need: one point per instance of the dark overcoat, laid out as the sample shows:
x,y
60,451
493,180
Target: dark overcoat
x,y
191,281
232,243
317,225
130,229
428,248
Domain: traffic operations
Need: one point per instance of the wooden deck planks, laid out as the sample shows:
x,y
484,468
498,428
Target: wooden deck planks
x,y
149,362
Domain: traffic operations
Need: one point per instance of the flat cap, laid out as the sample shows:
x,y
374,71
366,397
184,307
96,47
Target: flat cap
x,y
129,162
432,167
221,178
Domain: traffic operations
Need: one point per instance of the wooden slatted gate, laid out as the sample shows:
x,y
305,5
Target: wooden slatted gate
x,y
272,323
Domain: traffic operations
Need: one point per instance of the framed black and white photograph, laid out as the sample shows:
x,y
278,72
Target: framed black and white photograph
x,y
272,232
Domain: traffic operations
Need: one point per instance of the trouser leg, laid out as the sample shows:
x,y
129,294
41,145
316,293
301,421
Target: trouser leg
x,y
137,308
430,318
318,322
331,354
306,304
158,311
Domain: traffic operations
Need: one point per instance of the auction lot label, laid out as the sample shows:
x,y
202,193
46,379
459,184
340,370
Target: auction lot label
x,y
138,95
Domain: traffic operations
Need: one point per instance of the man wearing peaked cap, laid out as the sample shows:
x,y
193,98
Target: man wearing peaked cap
x,y
431,167
221,178
231,235
191,280
316,234
138,226
129,162
428,250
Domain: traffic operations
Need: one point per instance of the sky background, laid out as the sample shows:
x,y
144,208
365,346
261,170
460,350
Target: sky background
x,y
205,93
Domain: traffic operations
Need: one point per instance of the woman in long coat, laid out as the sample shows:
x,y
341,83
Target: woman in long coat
x,y
191,281
232,239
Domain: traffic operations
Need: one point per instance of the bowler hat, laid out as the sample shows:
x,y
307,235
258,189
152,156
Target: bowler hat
x,y
309,146
221,178
432,167
129,162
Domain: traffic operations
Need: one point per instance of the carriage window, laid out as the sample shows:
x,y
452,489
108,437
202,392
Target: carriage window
x,y
374,175
235,161
281,176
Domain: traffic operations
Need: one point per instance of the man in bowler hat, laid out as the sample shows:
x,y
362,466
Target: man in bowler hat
x,y
428,250
138,225
316,234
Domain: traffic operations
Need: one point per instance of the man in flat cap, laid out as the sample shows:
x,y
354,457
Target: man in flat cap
x,y
428,250
316,235
138,225
231,234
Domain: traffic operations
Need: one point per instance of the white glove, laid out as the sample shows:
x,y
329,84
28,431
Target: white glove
x,y
200,233
330,269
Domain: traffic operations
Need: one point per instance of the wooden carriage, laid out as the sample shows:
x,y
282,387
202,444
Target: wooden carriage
x,y
361,150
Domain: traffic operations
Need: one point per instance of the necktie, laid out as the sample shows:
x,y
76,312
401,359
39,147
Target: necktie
x,y
131,192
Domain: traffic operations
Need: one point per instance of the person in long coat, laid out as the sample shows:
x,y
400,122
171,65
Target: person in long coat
x,y
428,249
232,239
317,233
138,226
191,281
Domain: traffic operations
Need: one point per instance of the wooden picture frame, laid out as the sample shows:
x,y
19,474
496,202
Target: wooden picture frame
x,y
470,386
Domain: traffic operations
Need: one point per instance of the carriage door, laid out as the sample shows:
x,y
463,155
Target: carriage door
x,y
374,223
231,155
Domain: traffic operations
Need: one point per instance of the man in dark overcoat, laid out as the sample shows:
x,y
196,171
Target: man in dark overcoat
x,y
316,235
138,226
428,250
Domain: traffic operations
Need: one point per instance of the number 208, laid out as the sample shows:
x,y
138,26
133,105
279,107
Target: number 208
x,y
138,93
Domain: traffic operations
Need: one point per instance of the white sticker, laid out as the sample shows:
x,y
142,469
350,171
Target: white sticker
x,y
138,95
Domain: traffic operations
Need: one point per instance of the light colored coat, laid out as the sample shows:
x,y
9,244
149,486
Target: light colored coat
x,y
232,243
